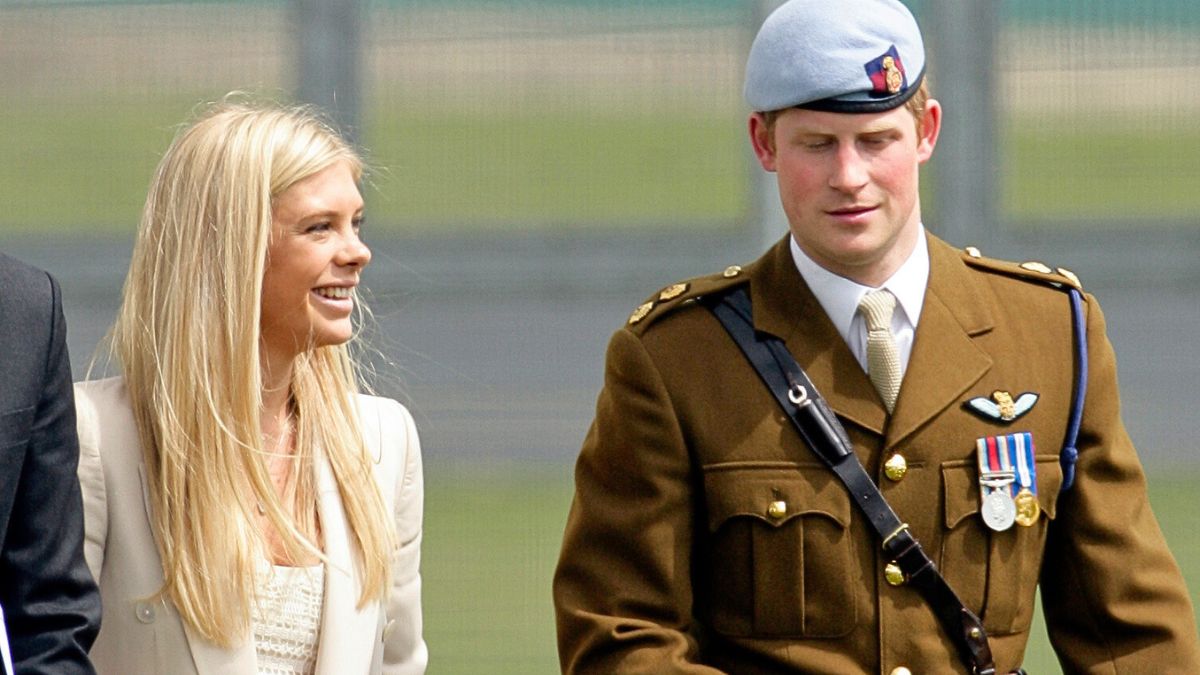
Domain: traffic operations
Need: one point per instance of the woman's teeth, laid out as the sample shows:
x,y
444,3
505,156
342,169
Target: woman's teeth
x,y
334,292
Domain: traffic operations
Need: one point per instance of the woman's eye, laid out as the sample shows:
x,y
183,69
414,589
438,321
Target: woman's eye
x,y
317,227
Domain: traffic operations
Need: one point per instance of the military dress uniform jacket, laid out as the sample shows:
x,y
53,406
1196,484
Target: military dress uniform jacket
x,y
678,557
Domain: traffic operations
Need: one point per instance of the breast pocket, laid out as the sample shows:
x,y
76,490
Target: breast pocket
x,y
779,560
995,572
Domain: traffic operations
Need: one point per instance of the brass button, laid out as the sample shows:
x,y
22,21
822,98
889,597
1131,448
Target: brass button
x,y
777,509
1070,275
641,312
901,670
895,467
893,574
732,271
976,633
671,292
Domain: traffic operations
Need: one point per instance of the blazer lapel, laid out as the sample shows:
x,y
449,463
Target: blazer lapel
x,y
348,634
208,658
784,306
213,660
945,359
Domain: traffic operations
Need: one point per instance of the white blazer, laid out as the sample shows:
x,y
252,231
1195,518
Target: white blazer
x,y
139,636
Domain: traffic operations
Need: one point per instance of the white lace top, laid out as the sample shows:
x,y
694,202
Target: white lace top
x,y
287,618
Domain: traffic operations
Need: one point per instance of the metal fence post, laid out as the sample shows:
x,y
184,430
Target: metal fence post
x,y
330,59
960,39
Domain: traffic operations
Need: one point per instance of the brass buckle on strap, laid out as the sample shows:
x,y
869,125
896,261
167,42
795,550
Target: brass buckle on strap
x,y
898,531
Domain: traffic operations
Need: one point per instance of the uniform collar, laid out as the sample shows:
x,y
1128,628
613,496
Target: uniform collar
x,y
839,296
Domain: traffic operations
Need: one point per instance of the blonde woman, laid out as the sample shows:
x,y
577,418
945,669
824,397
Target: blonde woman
x,y
247,510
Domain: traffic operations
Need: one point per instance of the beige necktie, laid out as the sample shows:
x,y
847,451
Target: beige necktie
x,y
883,358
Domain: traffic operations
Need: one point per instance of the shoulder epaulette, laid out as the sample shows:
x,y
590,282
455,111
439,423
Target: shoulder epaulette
x,y
682,294
1059,277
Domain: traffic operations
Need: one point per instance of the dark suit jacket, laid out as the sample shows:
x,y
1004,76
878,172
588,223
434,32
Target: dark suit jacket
x,y
51,605
673,560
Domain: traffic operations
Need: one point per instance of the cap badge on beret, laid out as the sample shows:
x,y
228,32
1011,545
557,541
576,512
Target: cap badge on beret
x,y
886,73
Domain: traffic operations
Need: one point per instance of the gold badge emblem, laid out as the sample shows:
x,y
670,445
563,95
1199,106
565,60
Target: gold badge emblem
x,y
1028,509
671,292
1003,406
895,79
641,312
1008,411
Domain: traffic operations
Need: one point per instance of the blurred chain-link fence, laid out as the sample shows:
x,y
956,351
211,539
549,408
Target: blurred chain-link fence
x,y
551,114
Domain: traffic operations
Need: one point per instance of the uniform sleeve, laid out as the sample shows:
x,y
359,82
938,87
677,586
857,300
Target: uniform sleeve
x,y
51,604
404,650
622,589
1114,598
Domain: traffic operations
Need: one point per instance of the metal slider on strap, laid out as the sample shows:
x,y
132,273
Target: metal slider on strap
x,y
895,533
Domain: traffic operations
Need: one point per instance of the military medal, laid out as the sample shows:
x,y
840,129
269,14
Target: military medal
x,y
1028,509
996,477
998,510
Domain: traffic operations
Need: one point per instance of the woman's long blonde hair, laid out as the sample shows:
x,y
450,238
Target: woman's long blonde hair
x,y
187,337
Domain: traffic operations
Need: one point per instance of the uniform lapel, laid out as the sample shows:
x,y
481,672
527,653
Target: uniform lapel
x,y
945,359
784,306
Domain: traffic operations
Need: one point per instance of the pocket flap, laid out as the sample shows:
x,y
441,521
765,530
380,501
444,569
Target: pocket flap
x,y
960,484
773,492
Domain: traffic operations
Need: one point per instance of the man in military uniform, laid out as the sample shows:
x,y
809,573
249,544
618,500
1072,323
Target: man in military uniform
x,y
706,536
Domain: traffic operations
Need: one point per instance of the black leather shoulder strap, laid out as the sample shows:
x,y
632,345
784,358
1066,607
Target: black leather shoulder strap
x,y
821,430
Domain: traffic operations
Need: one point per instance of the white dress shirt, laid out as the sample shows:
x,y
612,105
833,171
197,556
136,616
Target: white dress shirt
x,y
839,297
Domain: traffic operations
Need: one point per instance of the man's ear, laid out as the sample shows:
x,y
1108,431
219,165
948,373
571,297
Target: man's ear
x,y
761,140
928,128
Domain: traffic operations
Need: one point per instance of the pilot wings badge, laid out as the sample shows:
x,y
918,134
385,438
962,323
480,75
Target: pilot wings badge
x,y
1001,407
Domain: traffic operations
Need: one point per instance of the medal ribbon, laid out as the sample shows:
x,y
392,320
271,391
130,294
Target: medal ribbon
x,y
984,452
1026,469
995,458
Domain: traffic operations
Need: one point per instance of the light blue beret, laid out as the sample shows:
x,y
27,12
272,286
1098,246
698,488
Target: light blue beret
x,y
840,56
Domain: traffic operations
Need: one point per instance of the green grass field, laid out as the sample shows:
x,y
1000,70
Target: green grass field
x,y
87,166
492,538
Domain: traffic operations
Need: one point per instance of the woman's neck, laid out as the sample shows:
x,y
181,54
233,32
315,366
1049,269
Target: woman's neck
x,y
275,414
